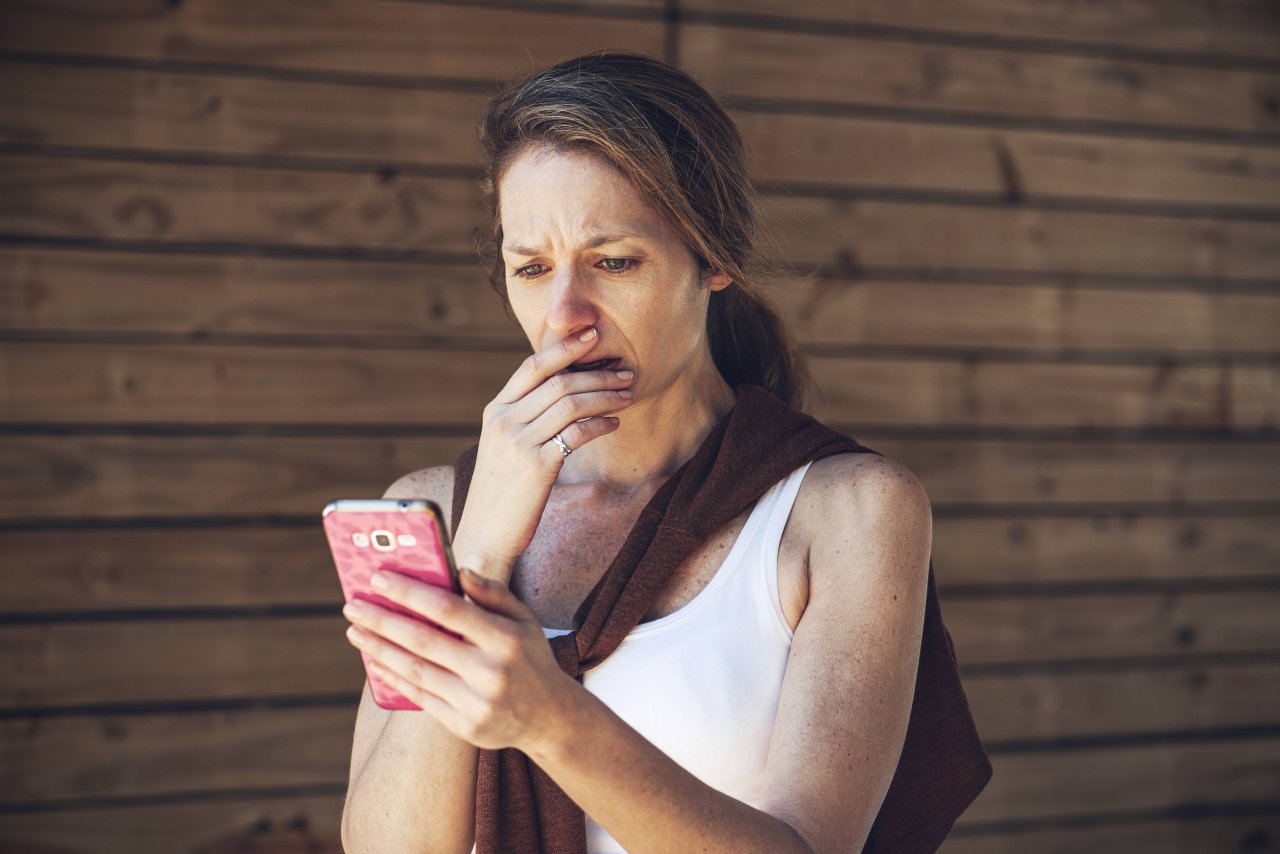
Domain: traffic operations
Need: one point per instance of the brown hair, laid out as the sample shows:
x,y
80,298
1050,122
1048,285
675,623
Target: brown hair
x,y
667,135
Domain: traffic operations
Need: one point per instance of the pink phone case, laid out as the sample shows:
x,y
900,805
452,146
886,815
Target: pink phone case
x,y
419,548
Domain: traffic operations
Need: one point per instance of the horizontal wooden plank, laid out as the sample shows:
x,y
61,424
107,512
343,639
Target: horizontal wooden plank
x,y
97,200
191,753
184,113
846,236
379,37
185,384
1111,626
1120,780
138,755
121,477
1104,547
72,663
95,570
1159,836
75,199
1109,703
867,154
266,824
55,382
763,63
1024,317
1245,28
68,290
176,659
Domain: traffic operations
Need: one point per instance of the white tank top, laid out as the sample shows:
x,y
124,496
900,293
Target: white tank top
x,y
702,684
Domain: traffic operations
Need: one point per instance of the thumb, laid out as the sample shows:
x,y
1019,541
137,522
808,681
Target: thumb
x,y
493,595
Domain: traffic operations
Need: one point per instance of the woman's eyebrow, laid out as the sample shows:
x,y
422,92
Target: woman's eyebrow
x,y
592,243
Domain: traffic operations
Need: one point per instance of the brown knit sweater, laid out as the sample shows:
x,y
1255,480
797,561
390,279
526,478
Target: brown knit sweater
x,y
943,765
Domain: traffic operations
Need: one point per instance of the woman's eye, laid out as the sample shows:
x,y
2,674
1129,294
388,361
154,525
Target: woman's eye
x,y
611,265
626,264
521,271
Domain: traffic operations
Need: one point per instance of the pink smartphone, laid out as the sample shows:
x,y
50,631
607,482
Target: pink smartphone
x,y
397,535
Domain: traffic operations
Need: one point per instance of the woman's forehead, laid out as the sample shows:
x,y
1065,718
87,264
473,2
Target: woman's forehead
x,y
580,197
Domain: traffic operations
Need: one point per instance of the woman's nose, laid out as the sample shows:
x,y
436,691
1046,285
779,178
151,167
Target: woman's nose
x,y
572,305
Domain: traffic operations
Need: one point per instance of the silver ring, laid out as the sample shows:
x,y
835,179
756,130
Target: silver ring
x,y
564,449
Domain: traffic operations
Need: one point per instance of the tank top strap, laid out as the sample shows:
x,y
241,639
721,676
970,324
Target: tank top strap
x,y
771,543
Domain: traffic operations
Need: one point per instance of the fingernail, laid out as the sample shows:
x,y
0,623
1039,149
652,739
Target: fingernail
x,y
625,375
352,610
355,635
588,335
626,392
380,580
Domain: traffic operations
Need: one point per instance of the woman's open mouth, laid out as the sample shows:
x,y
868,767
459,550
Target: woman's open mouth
x,y
610,363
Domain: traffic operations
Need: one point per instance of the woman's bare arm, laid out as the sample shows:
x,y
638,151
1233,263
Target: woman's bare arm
x,y
412,782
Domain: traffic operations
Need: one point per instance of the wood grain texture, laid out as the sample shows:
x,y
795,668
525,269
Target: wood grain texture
x,y
358,37
88,756
246,823
289,824
186,113
1190,835
953,81
239,476
167,659
1030,247
1220,30
246,476
1140,778
234,565
208,384
235,208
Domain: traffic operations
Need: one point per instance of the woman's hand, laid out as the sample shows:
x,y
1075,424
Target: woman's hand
x,y
499,686
517,462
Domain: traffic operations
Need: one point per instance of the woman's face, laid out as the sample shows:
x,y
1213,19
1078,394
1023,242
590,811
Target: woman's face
x,y
581,249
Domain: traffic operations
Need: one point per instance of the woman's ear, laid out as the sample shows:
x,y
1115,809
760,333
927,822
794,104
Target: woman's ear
x,y
717,281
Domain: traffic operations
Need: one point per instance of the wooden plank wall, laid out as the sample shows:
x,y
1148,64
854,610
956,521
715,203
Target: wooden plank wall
x,y
1035,251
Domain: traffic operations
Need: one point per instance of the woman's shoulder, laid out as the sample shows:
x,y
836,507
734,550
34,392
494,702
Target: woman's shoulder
x,y
435,484
842,493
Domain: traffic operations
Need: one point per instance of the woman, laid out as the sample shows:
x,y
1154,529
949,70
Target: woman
x,y
645,476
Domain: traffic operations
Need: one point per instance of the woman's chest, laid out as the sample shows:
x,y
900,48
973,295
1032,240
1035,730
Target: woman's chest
x,y
571,552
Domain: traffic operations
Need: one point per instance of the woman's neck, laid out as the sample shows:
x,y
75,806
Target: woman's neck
x,y
654,437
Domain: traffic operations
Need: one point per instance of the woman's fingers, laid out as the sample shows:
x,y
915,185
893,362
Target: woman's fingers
x,y
535,369
574,383
478,627
566,415
422,672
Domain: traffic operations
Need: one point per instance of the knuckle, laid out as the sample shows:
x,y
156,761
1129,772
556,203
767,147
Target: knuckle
x,y
566,407
423,638
473,730
499,679
533,363
576,433
449,606
561,383
507,645
419,671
